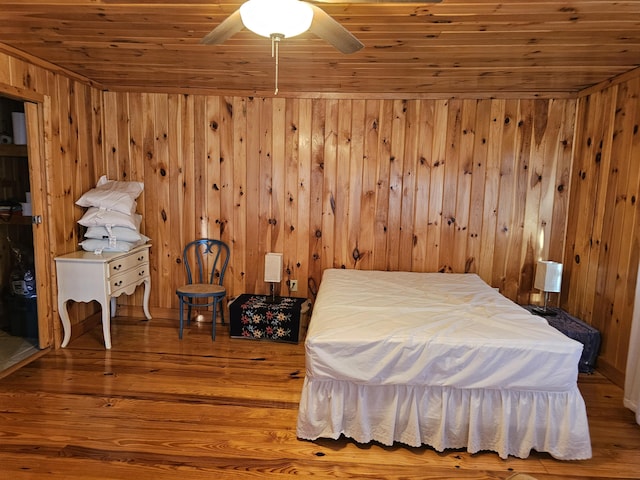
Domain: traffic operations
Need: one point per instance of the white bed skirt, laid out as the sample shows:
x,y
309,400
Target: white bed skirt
x,y
509,422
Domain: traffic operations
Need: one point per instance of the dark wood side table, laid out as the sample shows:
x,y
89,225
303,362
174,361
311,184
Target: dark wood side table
x,y
575,328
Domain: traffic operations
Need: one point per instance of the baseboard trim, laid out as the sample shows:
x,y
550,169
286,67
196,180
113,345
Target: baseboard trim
x,y
611,372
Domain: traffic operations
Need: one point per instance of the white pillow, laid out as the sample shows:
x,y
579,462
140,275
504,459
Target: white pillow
x,y
112,195
100,217
99,246
119,233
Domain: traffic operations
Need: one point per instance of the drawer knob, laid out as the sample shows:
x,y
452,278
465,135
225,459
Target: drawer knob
x,y
140,258
141,273
118,283
117,267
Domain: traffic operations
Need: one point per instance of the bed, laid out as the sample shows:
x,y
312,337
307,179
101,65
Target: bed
x,y
438,359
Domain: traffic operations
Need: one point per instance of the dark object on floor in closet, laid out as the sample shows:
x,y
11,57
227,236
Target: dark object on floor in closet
x,y
23,313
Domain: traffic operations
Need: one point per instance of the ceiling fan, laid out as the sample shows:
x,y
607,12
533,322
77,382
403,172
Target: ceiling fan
x,y
278,19
269,17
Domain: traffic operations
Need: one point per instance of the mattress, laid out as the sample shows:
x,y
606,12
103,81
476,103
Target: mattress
x,y
438,359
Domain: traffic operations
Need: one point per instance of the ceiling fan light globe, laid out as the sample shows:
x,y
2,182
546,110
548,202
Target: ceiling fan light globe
x,y
286,18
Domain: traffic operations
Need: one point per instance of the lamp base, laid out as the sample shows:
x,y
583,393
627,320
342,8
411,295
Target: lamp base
x,y
272,299
544,312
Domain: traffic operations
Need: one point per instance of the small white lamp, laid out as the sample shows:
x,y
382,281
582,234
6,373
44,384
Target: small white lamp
x,y
548,279
273,270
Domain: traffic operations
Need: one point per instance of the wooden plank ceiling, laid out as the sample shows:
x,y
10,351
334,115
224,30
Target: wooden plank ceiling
x,y
472,48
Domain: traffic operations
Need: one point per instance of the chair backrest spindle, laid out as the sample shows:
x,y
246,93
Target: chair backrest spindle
x,y
206,255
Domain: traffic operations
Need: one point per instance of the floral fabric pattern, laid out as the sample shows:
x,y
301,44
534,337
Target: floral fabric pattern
x,y
259,317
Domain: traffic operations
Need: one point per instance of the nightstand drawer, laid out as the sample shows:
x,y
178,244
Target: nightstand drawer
x,y
125,263
121,281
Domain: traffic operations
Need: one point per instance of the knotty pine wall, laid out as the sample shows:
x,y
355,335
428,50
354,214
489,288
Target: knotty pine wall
x,y
603,241
458,185
422,185
62,161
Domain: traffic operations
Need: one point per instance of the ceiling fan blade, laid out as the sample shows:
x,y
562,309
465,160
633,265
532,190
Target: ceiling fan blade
x,y
325,27
229,27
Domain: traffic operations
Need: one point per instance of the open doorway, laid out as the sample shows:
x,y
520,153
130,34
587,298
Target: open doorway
x,y
19,338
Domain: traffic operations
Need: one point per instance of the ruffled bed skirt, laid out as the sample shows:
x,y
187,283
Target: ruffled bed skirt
x,y
505,421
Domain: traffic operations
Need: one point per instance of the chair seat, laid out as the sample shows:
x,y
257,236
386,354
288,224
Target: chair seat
x,y
201,290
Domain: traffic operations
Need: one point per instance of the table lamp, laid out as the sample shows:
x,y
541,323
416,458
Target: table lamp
x,y
273,271
548,279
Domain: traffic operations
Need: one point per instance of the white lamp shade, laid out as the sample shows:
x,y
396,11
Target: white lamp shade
x,y
287,18
548,276
273,267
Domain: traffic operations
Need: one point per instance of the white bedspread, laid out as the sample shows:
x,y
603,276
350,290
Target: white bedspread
x,y
438,359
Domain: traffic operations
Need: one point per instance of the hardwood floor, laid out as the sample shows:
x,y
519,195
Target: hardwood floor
x,y
158,408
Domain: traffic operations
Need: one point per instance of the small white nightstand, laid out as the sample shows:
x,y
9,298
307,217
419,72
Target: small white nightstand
x,y
86,276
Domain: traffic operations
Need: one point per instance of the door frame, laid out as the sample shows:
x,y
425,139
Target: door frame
x,y
37,109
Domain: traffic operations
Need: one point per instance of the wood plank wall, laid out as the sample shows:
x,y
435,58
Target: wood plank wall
x,y
422,185
603,242
71,126
425,185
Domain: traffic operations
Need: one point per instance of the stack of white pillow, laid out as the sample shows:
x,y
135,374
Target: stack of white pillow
x,y
111,219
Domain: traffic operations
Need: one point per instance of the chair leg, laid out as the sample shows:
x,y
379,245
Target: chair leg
x,y
181,316
213,327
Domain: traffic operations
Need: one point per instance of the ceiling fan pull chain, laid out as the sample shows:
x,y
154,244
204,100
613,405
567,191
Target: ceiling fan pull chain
x,y
275,41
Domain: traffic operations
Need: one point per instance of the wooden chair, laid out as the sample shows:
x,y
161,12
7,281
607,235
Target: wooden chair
x,y
205,261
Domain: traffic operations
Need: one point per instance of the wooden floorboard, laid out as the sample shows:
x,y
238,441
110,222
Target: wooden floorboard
x,y
155,407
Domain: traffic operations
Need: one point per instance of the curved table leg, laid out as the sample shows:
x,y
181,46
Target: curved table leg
x,y
106,323
64,318
145,298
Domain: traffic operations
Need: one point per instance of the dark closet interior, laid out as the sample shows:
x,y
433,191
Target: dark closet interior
x,y
18,311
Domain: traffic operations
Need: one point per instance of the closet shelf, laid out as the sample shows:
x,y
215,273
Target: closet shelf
x,y
15,218
11,150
